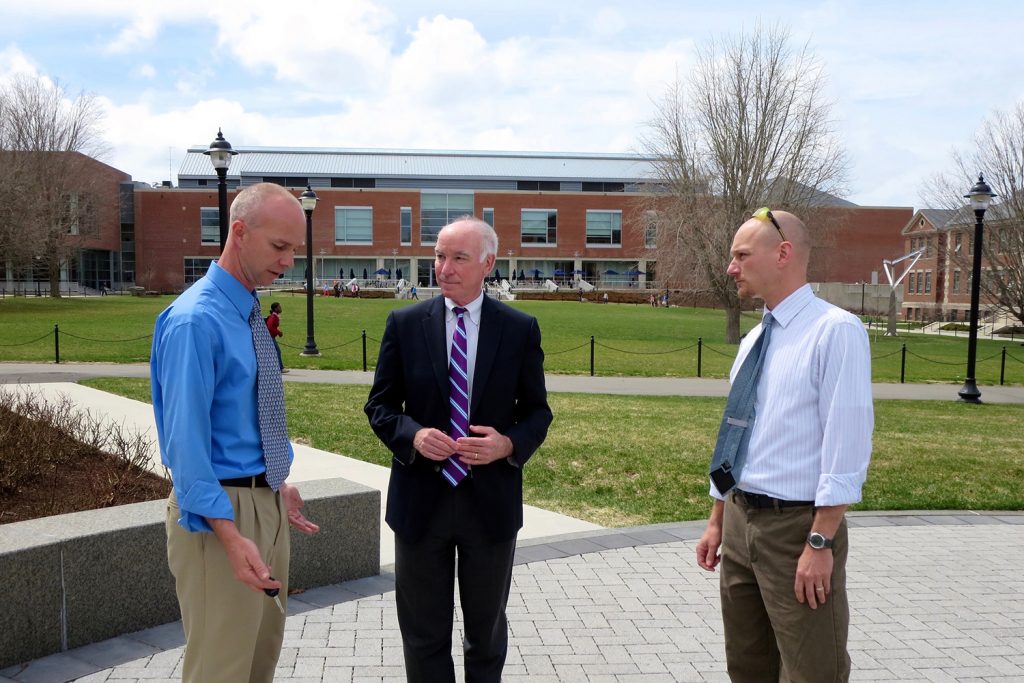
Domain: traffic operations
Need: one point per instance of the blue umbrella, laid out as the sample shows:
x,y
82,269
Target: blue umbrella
x,y
536,272
559,273
632,272
380,271
611,272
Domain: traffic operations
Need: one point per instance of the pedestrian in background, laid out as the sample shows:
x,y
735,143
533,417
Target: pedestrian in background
x,y
274,327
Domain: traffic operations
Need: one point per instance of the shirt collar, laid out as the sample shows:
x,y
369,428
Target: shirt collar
x,y
472,308
240,297
789,307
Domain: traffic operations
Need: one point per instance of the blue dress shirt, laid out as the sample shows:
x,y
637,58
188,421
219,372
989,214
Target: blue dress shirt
x,y
203,373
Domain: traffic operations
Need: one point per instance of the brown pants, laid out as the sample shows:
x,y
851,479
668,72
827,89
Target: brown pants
x,y
769,636
232,633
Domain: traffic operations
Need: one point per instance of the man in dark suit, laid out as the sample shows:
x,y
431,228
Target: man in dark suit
x,y
414,408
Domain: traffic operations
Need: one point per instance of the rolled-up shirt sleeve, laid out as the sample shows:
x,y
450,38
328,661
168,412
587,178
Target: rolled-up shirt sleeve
x,y
847,415
183,388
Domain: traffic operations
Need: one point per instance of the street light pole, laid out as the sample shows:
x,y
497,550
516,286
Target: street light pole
x,y
308,199
980,195
220,154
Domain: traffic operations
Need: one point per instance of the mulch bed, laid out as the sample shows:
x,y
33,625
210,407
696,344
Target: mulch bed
x,y
64,476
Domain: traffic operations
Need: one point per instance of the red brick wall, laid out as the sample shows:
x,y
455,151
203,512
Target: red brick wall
x,y
103,184
860,239
167,225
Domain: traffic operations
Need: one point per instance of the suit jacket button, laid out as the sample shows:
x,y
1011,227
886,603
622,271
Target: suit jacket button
x,y
437,468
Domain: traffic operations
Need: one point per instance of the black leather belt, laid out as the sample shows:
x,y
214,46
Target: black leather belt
x,y
256,481
761,501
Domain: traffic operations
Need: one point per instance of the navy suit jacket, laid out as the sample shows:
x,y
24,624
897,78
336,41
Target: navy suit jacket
x,y
411,391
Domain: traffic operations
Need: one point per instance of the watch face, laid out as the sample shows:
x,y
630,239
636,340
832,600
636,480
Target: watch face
x,y
816,541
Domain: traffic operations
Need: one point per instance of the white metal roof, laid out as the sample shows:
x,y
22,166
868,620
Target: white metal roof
x,y
380,163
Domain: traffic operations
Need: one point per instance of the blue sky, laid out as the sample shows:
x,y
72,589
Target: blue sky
x,y
910,80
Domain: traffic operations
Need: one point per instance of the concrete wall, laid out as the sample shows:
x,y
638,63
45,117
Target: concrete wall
x,y
71,580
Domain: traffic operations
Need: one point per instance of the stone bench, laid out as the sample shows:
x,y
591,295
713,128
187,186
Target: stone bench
x,y
70,580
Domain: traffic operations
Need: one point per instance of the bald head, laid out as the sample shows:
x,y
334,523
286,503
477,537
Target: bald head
x,y
769,262
249,203
267,225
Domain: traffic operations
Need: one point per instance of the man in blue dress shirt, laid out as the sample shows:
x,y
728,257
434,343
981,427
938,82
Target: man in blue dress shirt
x,y
227,540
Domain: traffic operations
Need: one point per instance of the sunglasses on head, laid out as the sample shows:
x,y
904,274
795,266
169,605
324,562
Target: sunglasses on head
x,y
765,214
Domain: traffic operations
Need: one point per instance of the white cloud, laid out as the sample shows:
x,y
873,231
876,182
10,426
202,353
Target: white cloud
x,y
138,34
147,71
337,47
14,62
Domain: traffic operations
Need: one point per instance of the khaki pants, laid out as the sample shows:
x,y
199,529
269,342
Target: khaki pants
x,y
232,633
769,636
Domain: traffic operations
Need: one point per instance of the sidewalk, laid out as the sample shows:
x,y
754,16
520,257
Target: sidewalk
x,y
933,597
13,373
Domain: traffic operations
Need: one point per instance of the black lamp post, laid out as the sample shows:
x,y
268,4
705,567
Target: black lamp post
x,y
980,195
220,154
308,199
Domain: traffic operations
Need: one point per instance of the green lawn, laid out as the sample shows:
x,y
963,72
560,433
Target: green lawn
x,y
625,460
629,340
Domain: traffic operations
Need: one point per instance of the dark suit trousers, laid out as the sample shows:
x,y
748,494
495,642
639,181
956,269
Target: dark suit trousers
x,y
425,592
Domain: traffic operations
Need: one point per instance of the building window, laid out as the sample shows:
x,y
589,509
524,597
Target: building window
x,y
287,181
604,228
195,268
438,209
651,230
353,225
920,283
539,185
405,225
959,243
209,226
928,282
956,281
540,226
488,215
910,284
354,182
604,187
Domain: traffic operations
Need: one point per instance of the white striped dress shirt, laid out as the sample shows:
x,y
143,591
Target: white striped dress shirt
x,y
811,438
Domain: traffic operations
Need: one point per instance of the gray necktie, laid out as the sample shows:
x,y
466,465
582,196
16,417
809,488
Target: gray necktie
x,y
269,401
734,432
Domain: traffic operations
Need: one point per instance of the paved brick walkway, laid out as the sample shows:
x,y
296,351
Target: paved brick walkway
x,y
934,597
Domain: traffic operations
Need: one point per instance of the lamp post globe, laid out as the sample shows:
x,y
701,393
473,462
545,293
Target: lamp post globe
x,y
981,196
220,153
308,199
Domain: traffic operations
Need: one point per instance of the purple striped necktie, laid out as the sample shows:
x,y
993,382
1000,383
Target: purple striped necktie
x,y
454,469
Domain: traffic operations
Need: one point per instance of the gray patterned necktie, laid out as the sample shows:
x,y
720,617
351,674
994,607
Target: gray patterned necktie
x,y
269,401
734,432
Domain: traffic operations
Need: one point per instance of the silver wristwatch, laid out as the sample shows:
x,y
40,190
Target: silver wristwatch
x,y
817,541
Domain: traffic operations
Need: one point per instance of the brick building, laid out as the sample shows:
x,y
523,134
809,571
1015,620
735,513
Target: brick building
x,y
938,287
100,251
559,217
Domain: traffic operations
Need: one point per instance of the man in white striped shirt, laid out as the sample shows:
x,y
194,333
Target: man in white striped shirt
x,y
780,533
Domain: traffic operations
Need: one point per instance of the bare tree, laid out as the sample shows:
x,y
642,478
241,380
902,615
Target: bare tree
x,y
998,153
49,199
750,127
